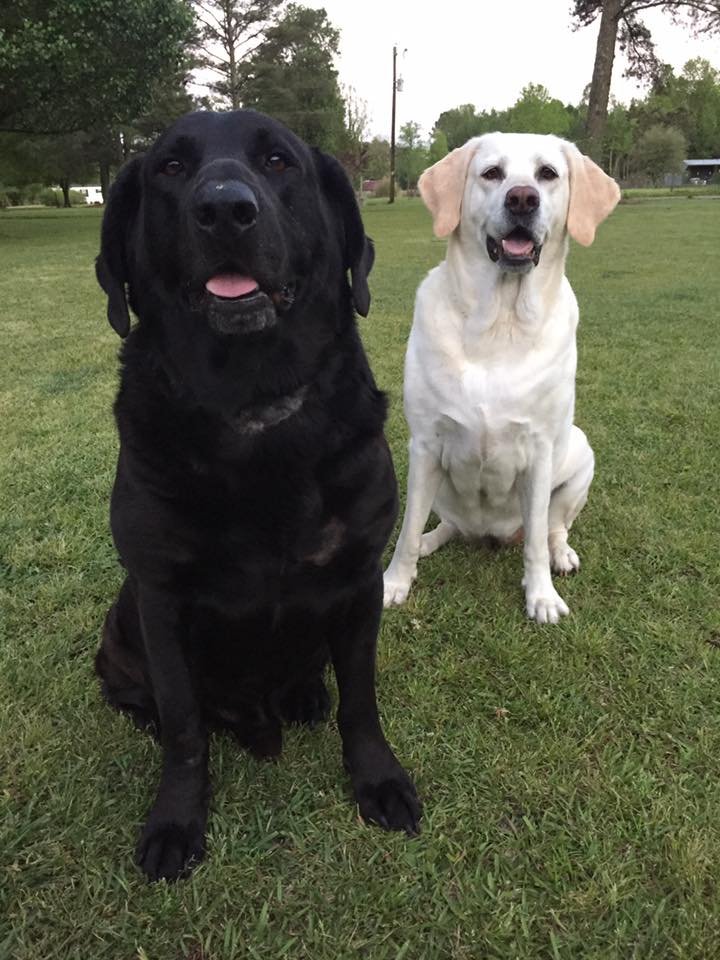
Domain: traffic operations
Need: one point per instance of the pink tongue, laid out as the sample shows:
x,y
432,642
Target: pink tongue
x,y
518,248
231,285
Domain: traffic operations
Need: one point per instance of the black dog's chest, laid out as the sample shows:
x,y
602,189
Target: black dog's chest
x,y
235,534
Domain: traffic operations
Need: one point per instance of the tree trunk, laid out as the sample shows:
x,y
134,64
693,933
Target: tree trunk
x,y
104,179
391,198
234,85
65,187
602,75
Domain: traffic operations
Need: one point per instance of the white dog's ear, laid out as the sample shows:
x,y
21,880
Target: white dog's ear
x,y
442,186
593,195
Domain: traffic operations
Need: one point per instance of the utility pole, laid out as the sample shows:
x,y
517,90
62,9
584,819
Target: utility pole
x,y
392,130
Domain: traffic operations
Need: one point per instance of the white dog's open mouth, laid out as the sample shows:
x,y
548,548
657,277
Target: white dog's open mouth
x,y
518,249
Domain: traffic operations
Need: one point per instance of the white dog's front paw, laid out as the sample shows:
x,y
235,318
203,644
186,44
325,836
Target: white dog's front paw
x,y
564,560
545,605
396,588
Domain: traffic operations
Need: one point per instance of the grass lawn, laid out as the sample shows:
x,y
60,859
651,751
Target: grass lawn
x,y
687,191
569,773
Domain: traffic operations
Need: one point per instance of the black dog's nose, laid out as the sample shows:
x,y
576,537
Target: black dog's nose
x,y
522,200
225,203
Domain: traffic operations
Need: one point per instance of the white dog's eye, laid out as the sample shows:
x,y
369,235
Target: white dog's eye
x,y
492,173
547,173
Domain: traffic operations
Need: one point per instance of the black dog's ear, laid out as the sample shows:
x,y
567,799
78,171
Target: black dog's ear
x,y
359,253
111,266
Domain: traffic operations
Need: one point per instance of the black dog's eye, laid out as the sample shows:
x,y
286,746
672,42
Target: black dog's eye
x,y
172,168
547,173
276,162
493,173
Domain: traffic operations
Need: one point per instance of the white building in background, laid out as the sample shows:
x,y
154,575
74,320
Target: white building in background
x,y
93,195
702,170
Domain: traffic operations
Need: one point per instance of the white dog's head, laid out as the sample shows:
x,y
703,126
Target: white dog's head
x,y
514,192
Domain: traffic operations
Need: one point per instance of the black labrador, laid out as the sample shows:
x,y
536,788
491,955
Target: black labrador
x,y
255,490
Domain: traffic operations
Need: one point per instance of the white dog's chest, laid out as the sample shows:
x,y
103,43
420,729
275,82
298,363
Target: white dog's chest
x,y
490,422
485,441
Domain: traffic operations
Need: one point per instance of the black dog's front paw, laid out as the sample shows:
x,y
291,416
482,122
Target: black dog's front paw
x,y
169,851
392,803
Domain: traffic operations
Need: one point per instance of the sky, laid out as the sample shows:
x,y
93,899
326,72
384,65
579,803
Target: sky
x,y
480,52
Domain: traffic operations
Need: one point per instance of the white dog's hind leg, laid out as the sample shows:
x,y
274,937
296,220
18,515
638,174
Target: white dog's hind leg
x,y
437,538
571,487
424,478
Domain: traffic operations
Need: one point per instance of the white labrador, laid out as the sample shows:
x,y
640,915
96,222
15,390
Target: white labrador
x,y
490,365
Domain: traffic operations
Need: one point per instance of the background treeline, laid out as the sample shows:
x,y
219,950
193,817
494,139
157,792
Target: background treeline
x,y
85,83
678,118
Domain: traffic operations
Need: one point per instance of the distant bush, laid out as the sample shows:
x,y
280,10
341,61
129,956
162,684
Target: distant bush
x,y
4,199
382,188
14,195
33,192
51,198
659,151
77,199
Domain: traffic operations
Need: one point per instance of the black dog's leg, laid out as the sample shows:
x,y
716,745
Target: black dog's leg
x,y
383,791
173,838
307,703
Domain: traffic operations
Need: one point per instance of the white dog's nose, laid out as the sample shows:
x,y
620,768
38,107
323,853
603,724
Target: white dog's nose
x,y
522,200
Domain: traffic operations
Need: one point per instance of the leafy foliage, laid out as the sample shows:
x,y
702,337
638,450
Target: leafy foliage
x,y
229,31
463,122
438,146
412,156
291,75
660,150
621,23
620,133
537,112
353,146
377,162
690,102
68,65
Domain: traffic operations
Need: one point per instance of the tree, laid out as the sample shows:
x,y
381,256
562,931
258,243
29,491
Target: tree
x,y
61,159
69,65
169,99
353,146
438,146
412,157
104,150
377,164
409,135
690,102
659,150
577,115
536,111
620,22
291,75
229,32
459,125
700,84
618,140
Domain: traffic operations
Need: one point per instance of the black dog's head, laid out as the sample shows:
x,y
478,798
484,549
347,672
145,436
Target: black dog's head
x,y
232,221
